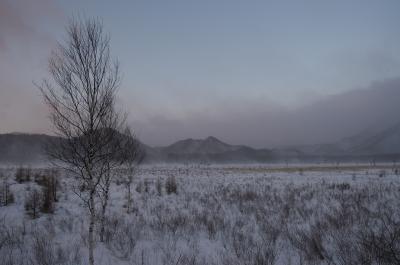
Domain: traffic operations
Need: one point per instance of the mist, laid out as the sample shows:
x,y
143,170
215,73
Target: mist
x,y
264,124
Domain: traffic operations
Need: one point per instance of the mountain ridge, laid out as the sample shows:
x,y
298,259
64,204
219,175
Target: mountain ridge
x,y
23,147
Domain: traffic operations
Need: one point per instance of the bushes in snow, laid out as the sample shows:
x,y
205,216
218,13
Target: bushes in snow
x,y
170,185
221,218
33,203
35,246
121,237
44,200
6,195
23,175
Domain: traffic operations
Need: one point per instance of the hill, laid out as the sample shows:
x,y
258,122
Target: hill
x,y
368,145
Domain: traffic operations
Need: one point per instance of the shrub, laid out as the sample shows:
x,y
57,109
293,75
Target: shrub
x,y
6,195
47,205
43,249
121,237
171,186
381,238
139,187
49,181
45,252
11,239
49,187
309,243
23,175
159,187
146,186
33,204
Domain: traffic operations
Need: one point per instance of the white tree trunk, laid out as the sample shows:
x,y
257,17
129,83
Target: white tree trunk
x,y
103,214
91,229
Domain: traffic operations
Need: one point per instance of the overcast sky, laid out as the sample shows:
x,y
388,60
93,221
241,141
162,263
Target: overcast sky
x,y
251,72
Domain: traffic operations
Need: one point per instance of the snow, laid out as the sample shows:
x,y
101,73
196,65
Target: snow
x,y
221,214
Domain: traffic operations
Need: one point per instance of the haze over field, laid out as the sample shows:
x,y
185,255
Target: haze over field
x,y
258,73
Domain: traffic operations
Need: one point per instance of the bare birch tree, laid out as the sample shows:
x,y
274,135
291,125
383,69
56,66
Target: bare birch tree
x,y
81,97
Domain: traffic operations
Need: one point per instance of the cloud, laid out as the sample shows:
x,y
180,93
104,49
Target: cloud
x,y
268,125
19,21
173,101
25,43
11,23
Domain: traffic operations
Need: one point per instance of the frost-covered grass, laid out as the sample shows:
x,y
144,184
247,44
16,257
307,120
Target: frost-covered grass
x,y
300,214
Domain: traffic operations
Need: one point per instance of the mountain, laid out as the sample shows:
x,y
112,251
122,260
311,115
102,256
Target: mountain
x,y
210,145
209,150
368,142
22,148
367,145
384,142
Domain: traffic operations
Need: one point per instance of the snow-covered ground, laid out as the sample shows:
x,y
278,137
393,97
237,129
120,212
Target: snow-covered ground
x,y
221,214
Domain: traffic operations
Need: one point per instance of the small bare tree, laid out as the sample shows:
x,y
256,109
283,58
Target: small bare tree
x,y
6,195
104,195
81,98
130,153
135,156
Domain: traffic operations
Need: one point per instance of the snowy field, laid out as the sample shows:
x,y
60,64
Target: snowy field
x,y
222,215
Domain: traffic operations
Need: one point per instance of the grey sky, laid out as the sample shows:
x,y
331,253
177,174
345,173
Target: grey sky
x,y
199,68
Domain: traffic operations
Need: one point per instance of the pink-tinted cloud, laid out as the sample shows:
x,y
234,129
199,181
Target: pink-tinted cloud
x,y
26,38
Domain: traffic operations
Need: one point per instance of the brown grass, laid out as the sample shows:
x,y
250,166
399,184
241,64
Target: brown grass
x,y
308,168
